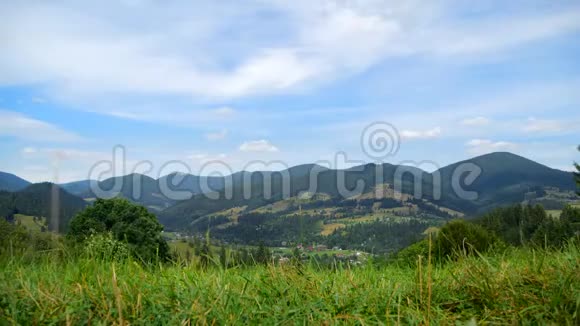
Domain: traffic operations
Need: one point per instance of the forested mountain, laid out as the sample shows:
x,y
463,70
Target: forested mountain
x,y
10,182
135,187
255,189
191,183
42,199
505,179
78,188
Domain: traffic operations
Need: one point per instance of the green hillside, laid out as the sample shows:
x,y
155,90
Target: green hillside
x,y
505,179
31,223
42,200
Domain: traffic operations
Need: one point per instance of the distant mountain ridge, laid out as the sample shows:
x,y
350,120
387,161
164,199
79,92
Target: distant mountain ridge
x,y
11,182
145,190
78,188
505,178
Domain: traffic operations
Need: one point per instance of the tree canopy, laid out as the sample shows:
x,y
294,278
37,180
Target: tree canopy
x,y
127,222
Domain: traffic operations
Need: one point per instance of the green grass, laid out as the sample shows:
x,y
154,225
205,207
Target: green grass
x,y
180,247
328,229
183,249
554,212
170,235
367,218
519,286
29,223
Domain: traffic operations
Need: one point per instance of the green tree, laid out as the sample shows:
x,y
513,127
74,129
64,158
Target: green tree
x,y
127,222
459,237
552,233
571,215
515,224
13,238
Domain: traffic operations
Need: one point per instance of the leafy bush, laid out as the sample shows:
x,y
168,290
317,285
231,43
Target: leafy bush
x,y
552,233
127,222
13,238
103,246
461,238
571,215
42,241
408,256
16,239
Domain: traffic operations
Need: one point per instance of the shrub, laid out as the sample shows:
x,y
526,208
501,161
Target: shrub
x,y
461,238
127,222
13,238
104,247
42,241
571,215
408,255
552,233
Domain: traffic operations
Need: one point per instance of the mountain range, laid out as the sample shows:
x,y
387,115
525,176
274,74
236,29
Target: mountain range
x,y
504,178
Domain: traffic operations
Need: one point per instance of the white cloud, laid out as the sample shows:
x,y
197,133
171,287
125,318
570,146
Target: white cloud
x,y
29,150
172,115
492,35
476,121
224,112
537,125
421,134
61,164
213,136
181,50
258,146
17,125
483,146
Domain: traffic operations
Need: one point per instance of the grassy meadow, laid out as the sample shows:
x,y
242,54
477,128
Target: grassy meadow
x,y
515,286
34,224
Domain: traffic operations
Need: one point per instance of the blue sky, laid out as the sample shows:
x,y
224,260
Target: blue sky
x,y
283,83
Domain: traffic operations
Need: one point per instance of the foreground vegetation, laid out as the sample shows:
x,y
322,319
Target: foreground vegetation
x,y
514,265
510,286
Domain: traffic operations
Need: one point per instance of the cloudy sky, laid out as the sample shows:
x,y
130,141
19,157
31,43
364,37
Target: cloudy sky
x,y
283,82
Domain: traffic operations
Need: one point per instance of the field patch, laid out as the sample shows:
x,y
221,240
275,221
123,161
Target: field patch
x,y
31,223
328,229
